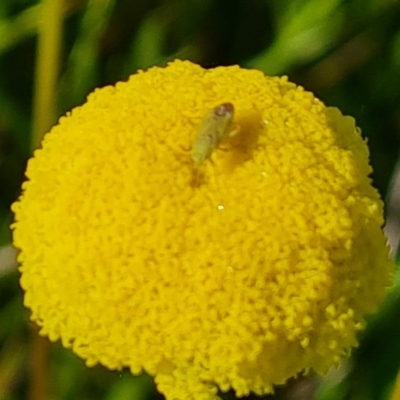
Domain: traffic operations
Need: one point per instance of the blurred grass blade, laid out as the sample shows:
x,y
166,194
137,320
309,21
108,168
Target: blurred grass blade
x,y
305,15
15,30
303,33
147,45
81,74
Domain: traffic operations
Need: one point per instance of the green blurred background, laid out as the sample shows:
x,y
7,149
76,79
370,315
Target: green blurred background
x,y
53,53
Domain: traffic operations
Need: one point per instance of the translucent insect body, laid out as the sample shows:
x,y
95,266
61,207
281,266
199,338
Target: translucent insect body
x,y
216,125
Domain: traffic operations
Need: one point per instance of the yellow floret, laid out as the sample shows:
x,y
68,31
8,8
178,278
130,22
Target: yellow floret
x,y
241,273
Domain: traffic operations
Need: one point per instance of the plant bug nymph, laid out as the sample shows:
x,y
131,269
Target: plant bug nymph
x,y
214,127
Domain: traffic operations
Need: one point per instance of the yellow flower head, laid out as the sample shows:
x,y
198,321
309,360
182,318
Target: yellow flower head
x,y
239,271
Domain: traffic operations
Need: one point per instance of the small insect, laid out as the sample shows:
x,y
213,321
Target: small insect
x,y
216,126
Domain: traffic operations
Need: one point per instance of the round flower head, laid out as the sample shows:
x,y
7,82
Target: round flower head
x,y
237,271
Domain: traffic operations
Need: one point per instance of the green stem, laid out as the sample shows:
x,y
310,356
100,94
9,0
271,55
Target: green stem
x,y
44,113
47,68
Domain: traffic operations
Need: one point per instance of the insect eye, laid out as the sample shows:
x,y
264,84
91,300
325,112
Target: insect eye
x,y
223,110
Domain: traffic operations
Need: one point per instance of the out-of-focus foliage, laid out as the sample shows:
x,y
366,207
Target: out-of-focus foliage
x,y
346,51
